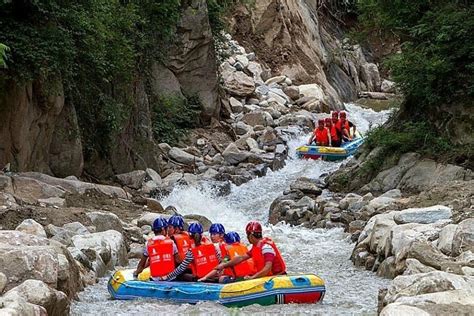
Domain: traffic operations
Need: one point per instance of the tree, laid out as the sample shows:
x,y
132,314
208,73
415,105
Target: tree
x,y
3,55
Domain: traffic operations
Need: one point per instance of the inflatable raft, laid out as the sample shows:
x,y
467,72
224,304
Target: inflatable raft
x,y
330,153
285,289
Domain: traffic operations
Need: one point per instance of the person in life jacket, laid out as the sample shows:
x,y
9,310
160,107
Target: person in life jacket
x,y
217,232
233,249
335,139
321,135
264,253
160,253
347,128
181,238
201,259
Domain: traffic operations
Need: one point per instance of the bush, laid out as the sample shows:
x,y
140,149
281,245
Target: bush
x,y
173,116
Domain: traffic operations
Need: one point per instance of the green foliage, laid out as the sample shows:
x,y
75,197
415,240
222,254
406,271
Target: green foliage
x,y
409,137
94,47
436,62
3,55
173,115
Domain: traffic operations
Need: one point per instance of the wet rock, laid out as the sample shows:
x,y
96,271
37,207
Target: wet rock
x,y
306,186
32,227
104,221
445,240
173,178
154,205
356,226
133,179
463,239
38,293
387,268
233,155
331,225
349,199
424,215
183,157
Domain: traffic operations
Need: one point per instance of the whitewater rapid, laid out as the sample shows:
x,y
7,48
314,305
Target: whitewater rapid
x,y
350,290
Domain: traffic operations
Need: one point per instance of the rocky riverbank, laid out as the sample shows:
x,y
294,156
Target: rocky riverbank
x,y
420,236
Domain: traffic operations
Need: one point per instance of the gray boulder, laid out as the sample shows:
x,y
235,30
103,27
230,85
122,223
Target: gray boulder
x,y
30,226
424,215
133,179
105,221
183,157
233,155
463,239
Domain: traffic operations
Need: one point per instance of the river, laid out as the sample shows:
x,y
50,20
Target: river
x,y
349,290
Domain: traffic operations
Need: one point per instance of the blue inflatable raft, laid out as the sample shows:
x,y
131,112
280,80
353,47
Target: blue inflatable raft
x,y
282,289
330,153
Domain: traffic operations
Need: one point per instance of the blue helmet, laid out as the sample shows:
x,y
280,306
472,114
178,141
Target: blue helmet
x,y
195,228
176,221
159,224
217,228
231,237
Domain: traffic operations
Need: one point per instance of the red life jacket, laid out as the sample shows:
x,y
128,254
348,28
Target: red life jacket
x,y
322,136
334,133
205,259
244,268
160,254
183,243
343,126
258,259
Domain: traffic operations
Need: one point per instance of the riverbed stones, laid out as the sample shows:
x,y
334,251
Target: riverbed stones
x,y
445,240
30,190
306,186
425,215
255,118
238,83
233,155
183,157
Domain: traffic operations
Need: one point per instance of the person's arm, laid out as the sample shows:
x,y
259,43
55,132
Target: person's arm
x,y
181,268
329,136
210,275
310,139
264,272
233,262
141,265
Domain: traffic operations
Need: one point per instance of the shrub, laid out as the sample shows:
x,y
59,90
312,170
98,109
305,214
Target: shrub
x,y
173,115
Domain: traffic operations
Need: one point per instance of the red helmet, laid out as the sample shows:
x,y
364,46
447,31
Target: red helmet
x,y
253,227
335,114
342,114
320,122
327,120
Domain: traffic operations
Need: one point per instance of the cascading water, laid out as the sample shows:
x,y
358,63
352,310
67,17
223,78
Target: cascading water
x,y
324,252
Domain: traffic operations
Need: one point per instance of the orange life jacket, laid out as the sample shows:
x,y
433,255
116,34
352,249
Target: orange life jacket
x,y
160,254
334,133
205,259
183,243
244,268
322,136
258,259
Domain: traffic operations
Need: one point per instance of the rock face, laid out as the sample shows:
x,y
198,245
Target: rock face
x,y
305,47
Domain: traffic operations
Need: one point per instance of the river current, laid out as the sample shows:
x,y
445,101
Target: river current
x,y
349,290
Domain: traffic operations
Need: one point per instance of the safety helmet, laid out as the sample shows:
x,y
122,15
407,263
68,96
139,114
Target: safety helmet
x,y
217,228
327,120
320,122
195,228
231,237
253,227
342,114
335,114
159,224
176,221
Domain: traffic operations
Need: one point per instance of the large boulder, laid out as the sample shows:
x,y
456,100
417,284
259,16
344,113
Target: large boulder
x,y
30,226
233,155
238,83
30,190
258,118
312,90
38,293
133,179
105,221
109,246
445,240
183,157
463,239
306,186
15,305
301,119
24,256
424,215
